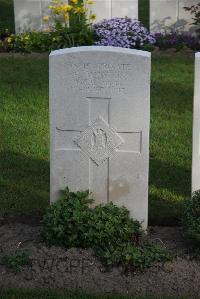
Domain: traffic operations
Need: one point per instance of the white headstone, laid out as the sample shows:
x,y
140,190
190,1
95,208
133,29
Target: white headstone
x,y
166,15
196,128
99,120
106,9
29,13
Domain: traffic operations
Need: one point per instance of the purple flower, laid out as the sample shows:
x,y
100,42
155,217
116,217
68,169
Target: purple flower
x,y
122,32
176,39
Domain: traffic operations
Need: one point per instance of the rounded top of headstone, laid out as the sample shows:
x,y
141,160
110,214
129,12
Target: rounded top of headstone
x,y
197,55
100,49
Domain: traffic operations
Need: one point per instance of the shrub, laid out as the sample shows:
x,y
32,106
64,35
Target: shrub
x,y
16,260
176,40
75,13
4,33
122,32
66,221
47,41
107,229
68,25
191,217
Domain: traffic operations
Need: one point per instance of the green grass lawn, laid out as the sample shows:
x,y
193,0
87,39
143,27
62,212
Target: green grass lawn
x,y
24,135
50,294
171,137
24,164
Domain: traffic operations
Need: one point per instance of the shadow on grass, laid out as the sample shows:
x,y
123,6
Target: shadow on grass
x,y
164,175
172,97
24,183
164,213
169,185
25,189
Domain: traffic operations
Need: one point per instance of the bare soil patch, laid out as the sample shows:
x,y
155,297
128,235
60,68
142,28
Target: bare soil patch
x,y
79,269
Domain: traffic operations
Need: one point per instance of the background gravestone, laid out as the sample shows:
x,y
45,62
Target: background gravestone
x,y
196,128
99,122
29,13
106,9
166,15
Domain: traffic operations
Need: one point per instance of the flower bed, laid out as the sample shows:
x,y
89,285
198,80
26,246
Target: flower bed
x,y
70,25
176,40
122,32
67,25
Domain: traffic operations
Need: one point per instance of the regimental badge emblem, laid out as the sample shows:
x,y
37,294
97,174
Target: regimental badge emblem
x,y
99,141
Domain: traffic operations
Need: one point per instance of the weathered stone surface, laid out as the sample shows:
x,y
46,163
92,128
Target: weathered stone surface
x,y
29,14
106,9
196,128
99,119
166,15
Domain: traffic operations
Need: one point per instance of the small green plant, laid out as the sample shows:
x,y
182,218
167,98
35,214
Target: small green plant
x,y
47,41
66,221
107,229
16,260
191,217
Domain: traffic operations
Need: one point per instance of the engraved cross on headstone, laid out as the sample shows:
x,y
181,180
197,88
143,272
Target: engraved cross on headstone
x,y
99,143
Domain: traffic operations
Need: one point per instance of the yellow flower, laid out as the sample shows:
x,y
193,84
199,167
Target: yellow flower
x,y
89,2
79,10
66,7
93,16
55,1
9,40
46,18
66,17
